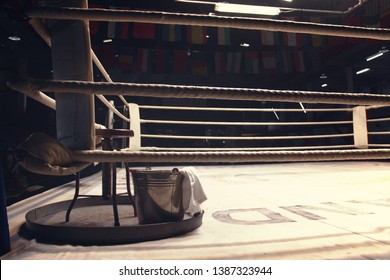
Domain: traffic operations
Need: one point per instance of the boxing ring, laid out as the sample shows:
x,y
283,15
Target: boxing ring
x,y
224,182
197,92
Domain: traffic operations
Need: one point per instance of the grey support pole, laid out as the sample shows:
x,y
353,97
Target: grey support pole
x,y
71,58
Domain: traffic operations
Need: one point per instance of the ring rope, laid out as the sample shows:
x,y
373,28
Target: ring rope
x,y
152,107
379,133
241,123
246,137
197,92
232,156
378,120
373,107
379,145
247,148
208,20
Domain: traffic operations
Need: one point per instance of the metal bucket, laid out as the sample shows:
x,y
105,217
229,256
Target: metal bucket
x,y
158,196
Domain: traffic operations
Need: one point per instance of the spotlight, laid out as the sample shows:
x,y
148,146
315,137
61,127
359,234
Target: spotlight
x,y
246,9
323,76
378,54
14,38
362,71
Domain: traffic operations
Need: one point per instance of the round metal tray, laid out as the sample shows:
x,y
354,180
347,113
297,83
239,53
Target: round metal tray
x,y
92,223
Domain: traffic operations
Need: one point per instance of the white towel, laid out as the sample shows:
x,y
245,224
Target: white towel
x,y
193,194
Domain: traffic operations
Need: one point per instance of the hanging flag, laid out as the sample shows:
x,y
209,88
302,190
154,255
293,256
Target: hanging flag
x,y
299,62
124,31
229,62
269,61
292,39
180,62
317,41
111,27
200,63
223,36
196,34
269,38
284,62
144,30
126,59
143,60
118,30
199,67
162,61
172,33
220,62
233,63
251,62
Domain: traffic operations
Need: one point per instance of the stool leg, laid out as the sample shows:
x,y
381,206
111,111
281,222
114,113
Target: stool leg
x,y
128,188
114,203
106,180
106,170
76,195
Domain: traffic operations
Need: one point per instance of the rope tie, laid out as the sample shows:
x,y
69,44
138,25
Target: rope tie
x,y
229,156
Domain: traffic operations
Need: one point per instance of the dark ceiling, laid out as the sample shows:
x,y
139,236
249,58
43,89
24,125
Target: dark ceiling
x,y
333,56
